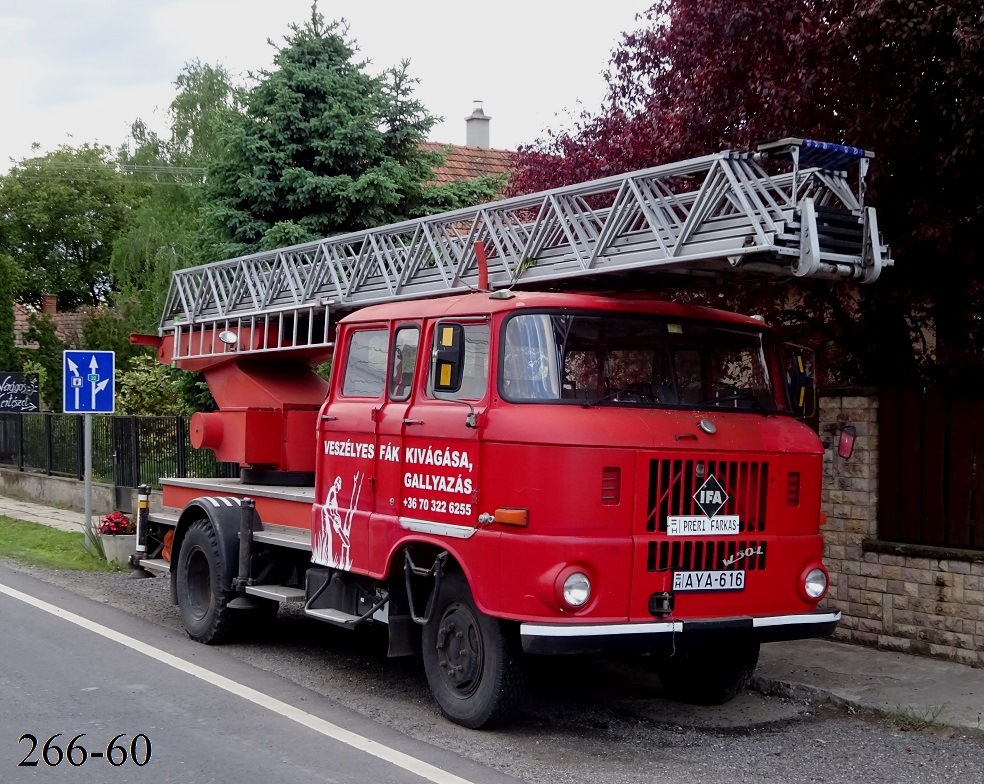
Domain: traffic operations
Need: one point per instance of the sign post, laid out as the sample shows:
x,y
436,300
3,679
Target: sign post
x,y
88,388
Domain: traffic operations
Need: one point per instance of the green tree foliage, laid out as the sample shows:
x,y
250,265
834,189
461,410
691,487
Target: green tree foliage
x,y
166,176
463,193
108,328
149,388
9,278
323,147
207,99
45,360
59,216
905,78
30,365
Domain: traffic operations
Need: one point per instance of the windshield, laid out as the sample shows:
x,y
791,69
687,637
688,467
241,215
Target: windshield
x,y
632,360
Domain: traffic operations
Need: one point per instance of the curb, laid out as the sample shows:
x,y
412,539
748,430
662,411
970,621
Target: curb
x,y
777,687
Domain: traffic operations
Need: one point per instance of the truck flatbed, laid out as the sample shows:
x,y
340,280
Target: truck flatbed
x,y
234,487
284,510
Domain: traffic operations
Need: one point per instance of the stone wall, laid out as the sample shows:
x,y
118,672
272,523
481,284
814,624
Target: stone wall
x,y
54,491
67,493
902,597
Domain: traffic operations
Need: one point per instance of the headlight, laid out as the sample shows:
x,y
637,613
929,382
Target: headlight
x,y
815,583
577,589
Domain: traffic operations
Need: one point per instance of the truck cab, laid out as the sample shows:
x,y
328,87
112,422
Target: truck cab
x,y
585,473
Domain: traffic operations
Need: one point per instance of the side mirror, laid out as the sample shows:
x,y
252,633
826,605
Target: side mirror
x,y
800,380
449,357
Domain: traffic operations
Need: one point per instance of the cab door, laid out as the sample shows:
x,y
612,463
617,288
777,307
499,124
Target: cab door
x,y
441,438
406,370
348,449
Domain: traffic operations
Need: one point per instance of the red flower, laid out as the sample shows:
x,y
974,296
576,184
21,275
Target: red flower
x,y
116,524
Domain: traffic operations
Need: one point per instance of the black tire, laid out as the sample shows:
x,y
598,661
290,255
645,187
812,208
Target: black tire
x,y
478,682
707,675
202,601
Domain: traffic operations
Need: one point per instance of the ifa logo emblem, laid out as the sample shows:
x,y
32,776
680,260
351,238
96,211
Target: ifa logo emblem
x,y
710,497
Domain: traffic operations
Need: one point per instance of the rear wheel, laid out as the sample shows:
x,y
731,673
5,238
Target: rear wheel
x,y
202,601
474,663
706,675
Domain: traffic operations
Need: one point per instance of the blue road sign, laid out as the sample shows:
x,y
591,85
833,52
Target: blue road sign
x,y
88,386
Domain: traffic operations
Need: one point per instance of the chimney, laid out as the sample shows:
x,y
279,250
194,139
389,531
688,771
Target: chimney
x,y
477,128
49,303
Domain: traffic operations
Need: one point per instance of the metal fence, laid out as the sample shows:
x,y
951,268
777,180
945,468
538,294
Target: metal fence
x,y
126,450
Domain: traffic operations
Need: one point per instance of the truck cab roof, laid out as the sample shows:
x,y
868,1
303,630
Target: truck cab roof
x,y
488,303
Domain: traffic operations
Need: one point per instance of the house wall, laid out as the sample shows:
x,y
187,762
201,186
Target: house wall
x,y
902,597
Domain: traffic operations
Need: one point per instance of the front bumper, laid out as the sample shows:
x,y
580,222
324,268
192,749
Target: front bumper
x,y
556,638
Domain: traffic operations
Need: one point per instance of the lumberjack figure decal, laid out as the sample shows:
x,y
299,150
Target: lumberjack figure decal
x,y
331,541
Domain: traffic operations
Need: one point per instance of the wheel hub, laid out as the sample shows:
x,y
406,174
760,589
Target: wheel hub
x,y
199,584
459,650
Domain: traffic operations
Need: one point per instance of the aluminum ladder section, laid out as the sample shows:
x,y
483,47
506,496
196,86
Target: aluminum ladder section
x,y
712,217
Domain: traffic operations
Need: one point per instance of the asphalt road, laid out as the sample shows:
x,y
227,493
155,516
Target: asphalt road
x,y
599,720
178,724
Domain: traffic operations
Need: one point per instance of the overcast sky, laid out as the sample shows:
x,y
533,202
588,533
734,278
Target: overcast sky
x,y
76,71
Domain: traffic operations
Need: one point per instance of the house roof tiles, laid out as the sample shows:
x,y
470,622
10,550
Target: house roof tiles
x,y
467,163
68,325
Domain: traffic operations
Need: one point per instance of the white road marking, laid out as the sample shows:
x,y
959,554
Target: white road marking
x,y
326,728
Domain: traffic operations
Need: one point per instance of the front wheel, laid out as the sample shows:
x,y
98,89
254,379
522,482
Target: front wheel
x,y
706,675
202,601
474,663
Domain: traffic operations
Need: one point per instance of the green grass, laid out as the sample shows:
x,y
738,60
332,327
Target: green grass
x,y
910,719
41,545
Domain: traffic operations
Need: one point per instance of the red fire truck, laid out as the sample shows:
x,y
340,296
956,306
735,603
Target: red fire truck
x,y
503,464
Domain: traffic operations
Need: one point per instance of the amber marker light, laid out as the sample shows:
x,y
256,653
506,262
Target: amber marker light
x,y
508,515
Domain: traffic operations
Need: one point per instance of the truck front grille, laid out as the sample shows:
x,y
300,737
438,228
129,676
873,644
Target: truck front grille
x,y
700,555
673,483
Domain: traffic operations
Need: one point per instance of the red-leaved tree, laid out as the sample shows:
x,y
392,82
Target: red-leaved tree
x,y
902,77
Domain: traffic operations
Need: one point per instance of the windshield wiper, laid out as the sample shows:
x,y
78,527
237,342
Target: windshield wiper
x,y
742,394
630,396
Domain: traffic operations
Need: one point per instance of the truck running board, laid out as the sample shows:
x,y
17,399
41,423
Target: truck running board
x,y
336,617
156,565
284,594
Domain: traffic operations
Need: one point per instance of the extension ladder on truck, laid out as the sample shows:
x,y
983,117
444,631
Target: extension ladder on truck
x,y
255,325
709,218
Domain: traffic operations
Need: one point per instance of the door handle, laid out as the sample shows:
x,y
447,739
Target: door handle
x,y
413,421
328,418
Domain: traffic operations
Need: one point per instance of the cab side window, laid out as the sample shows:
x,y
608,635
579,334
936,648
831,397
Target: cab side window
x,y
403,362
475,374
365,363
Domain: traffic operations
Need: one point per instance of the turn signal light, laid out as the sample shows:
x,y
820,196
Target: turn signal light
x,y
508,515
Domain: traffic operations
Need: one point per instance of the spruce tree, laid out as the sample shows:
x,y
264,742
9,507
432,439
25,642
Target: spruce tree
x,y
322,148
